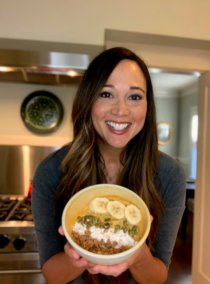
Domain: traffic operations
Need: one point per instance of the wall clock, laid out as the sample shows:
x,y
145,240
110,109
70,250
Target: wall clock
x,y
42,112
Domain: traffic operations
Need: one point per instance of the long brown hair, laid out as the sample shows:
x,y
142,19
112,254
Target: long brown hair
x,y
83,165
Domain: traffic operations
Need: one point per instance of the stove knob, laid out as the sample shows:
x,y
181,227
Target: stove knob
x,y
4,240
19,243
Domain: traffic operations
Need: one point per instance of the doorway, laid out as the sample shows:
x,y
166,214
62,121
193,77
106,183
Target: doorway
x,y
176,95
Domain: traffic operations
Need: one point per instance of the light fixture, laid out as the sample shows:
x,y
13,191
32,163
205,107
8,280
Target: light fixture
x,y
72,73
6,69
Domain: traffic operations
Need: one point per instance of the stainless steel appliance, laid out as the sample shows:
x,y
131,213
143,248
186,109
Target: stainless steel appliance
x,y
41,62
19,259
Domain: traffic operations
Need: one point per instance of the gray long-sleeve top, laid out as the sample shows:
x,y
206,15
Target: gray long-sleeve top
x,y
170,182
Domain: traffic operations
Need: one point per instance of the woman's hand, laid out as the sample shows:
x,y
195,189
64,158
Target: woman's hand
x,y
75,258
80,262
111,270
117,269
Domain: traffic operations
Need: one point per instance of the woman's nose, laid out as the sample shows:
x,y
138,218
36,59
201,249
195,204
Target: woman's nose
x,y
120,107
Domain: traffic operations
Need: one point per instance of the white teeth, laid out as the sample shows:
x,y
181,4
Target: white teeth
x,y
117,126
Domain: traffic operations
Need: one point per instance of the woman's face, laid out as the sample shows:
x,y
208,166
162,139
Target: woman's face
x,y
119,112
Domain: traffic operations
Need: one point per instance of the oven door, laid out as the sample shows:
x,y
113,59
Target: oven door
x,y
20,268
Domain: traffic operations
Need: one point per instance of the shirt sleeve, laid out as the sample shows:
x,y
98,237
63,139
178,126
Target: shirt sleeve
x,y
171,185
46,218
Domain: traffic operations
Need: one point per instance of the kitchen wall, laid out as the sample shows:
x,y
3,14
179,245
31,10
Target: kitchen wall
x,y
12,128
79,21
172,107
85,22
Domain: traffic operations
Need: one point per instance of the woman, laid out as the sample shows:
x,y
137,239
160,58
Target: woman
x,y
115,141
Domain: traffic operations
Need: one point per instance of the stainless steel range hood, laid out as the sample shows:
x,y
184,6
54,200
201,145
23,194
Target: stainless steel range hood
x,y
38,62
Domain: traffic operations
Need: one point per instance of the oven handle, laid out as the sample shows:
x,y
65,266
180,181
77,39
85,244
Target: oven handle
x,y
22,271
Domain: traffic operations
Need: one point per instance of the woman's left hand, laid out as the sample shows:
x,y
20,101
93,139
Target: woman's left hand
x,y
112,270
117,269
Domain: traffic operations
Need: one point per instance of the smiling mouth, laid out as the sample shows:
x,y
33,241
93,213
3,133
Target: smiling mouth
x,y
117,126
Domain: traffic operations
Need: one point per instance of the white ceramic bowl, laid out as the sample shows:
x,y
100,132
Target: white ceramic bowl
x,y
82,198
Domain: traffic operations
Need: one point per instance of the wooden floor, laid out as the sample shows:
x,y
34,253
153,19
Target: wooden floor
x,y
180,269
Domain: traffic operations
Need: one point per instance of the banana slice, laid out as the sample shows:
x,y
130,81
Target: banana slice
x,y
98,205
132,214
116,209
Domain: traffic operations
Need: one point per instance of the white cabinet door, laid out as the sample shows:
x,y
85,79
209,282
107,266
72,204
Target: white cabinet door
x,y
201,234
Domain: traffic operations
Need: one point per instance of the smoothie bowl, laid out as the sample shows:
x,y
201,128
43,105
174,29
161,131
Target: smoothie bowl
x,y
106,223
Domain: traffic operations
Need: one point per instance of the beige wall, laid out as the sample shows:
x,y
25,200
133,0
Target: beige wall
x,y
12,128
84,21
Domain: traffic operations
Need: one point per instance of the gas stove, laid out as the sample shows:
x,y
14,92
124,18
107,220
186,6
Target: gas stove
x,y
15,209
19,258
16,225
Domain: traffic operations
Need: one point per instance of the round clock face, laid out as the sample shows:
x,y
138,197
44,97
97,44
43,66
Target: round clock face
x,y
42,112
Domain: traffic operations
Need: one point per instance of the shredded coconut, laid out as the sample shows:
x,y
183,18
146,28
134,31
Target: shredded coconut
x,y
79,228
120,237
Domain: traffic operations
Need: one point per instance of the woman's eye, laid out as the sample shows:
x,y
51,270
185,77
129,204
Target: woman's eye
x,y
135,97
105,95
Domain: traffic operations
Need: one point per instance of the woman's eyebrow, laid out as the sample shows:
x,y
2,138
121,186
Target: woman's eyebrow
x,y
109,86
138,88
132,88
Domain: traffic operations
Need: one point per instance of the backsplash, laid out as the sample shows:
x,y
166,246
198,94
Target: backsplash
x,y
15,177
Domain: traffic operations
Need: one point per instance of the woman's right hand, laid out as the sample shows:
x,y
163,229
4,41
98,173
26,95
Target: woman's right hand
x,y
76,259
